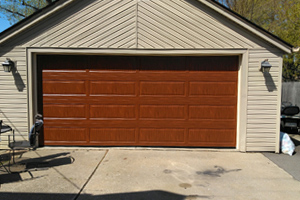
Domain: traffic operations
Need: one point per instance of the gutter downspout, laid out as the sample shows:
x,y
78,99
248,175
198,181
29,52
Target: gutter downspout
x,y
295,49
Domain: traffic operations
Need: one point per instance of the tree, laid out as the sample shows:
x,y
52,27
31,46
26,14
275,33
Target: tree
x,y
280,17
16,10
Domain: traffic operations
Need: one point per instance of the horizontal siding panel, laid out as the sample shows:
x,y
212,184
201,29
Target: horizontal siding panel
x,y
262,93
270,77
20,97
262,112
260,117
8,116
260,98
261,140
261,148
261,120
261,126
260,135
14,54
13,102
257,102
253,85
261,145
260,87
251,131
15,88
261,79
21,60
20,79
11,110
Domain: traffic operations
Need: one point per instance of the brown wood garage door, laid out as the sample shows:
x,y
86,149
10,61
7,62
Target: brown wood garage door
x,y
139,101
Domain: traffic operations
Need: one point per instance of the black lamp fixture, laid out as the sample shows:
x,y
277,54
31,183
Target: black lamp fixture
x,y
8,65
265,66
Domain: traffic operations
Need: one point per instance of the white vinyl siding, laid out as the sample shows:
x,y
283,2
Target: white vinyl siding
x,y
138,24
13,94
262,109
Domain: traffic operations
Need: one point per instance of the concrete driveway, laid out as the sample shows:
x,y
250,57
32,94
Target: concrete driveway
x,y
291,164
160,174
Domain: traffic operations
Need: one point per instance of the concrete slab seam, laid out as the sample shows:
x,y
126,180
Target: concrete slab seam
x,y
94,171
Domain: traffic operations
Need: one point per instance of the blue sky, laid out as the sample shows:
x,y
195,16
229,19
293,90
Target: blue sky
x,y
4,24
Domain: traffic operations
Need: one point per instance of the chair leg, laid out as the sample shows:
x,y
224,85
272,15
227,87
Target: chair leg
x,y
4,167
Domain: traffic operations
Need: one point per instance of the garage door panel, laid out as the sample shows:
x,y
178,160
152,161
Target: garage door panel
x,y
212,88
212,136
191,100
112,134
154,135
65,75
106,76
162,76
212,112
65,111
75,134
112,111
132,123
162,88
211,124
162,112
216,76
112,88
140,101
64,87
92,123
194,100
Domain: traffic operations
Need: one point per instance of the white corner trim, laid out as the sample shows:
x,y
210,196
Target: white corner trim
x,y
277,142
242,102
246,26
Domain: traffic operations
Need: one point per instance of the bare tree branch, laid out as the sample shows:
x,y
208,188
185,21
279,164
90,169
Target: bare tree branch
x,y
26,4
13,12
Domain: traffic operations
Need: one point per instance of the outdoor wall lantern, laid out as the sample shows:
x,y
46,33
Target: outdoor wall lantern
x,y
265,66
8,65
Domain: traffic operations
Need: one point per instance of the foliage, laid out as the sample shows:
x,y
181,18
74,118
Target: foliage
x,y
16,10
280,17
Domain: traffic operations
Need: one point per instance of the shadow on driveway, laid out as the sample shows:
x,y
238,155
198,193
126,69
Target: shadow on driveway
x,y
26,165
146,195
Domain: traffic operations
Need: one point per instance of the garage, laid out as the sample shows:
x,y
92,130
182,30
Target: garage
x,y
156,73
138,100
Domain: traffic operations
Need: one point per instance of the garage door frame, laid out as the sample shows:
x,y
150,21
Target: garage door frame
x,y
242,76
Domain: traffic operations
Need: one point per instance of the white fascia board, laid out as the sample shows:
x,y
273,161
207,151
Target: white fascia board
x,y
18,30
245,25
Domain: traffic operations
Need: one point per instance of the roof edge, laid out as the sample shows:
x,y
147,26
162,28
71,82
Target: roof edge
x,y
254,28
36,17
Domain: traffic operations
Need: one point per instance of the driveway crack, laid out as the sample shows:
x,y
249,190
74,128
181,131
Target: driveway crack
x,y
92,174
